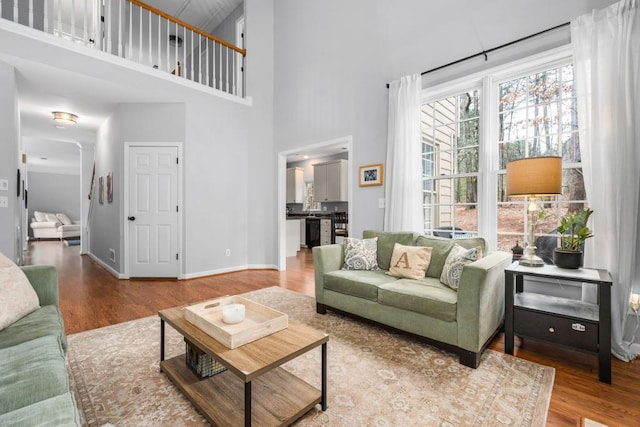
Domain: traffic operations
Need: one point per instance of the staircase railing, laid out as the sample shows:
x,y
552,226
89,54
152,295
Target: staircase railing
x,y
138,32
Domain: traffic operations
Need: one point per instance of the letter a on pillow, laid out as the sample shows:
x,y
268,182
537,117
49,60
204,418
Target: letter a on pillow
x,y
410,262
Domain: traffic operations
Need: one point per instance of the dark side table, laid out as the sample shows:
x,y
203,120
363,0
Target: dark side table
x,y
569,322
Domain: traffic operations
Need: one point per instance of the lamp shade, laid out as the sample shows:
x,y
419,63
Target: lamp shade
x,y
534,177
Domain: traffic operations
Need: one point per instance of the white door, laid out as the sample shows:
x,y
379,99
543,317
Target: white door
x,y
153,211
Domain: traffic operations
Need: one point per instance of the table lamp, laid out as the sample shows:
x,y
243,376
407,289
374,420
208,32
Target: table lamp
x,y
533,177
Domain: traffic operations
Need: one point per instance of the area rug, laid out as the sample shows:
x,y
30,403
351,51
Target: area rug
x,y
375,377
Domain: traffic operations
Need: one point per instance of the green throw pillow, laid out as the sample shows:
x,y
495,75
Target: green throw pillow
x,y
360,254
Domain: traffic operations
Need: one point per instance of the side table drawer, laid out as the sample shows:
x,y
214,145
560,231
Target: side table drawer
x,y
556,329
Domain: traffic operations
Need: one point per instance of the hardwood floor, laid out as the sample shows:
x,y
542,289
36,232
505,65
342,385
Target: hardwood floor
x,y
90,297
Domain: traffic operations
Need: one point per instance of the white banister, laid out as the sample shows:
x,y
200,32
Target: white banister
x,y
73,19
30,13
101,24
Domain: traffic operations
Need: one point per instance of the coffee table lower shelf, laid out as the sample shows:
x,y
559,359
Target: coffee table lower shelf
x,y
278,398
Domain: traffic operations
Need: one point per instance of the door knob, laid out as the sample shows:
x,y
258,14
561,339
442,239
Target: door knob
x,y
132,218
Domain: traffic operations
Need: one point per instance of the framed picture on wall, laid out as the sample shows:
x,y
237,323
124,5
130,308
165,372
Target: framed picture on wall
x,y
101,190
371,175
110,187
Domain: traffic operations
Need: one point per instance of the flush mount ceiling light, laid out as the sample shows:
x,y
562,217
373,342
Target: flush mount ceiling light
x,y
65,118
175,41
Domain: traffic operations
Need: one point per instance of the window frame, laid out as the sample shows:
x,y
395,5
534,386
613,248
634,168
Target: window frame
x,y
487,83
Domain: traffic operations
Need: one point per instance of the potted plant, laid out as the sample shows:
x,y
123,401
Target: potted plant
x,y
573,232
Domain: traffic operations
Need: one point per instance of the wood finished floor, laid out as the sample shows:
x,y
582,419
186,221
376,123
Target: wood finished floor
x,y
90,298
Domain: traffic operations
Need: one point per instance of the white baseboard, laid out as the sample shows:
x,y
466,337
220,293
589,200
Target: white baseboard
x,y
106,266
228,270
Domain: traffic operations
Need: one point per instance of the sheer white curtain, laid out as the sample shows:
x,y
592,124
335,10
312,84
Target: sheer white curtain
x,y
403,189
606,45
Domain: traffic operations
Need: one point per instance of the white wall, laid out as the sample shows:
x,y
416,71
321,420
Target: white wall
x,y
10,221
129,123
55,193
334,58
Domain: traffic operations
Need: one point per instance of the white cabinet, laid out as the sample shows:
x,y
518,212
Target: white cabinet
x,y
295,185
325,232
303,233
330,181
293,237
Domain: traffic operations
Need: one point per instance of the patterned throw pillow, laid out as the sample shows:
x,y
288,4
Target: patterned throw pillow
x,y
458,257
361,254
411,262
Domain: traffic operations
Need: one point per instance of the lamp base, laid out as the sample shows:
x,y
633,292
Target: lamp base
x,y
531,261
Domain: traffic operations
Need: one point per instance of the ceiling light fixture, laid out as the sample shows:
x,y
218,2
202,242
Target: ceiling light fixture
x,y
66,118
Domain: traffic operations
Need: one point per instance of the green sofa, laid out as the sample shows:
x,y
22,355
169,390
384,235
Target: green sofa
x,y
462,321
34,383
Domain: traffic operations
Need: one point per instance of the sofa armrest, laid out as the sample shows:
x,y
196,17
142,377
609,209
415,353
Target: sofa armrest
x,y
326,258
481,300
44,279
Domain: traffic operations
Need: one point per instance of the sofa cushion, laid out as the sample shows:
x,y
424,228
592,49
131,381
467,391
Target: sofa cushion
x,y
44,321
58,411
360,254
40,216
17,296
410,262
64,219
427,296
362,284
440,249
52,218
386,240
458,257
31,371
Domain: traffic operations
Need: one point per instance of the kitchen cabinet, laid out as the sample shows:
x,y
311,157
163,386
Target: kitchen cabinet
x,y
295,185
293,237
326,231
330,181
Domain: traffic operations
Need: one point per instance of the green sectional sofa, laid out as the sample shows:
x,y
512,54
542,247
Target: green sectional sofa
x,y
34,383
462,320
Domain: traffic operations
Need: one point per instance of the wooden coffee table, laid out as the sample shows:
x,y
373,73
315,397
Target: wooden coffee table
x,y
254,388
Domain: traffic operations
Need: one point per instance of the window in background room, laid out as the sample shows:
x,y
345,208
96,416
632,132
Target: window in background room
x,y
450,164
537,117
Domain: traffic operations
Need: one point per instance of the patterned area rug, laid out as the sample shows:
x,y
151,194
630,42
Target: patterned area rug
x,y
375,378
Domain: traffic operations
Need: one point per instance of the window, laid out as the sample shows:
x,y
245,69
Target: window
x,y
537,117
529,110
450,159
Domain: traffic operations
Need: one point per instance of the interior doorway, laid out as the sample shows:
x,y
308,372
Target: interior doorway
x,y
321,149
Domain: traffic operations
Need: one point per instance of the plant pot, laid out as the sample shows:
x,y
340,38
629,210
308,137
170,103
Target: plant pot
x,y
567,259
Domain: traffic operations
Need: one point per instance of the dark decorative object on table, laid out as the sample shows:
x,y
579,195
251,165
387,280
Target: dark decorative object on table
x,y
573,232
517,251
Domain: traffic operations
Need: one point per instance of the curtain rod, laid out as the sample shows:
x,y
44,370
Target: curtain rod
x,y
485,52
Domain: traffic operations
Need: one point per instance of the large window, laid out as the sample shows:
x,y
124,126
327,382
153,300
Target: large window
x,y
450,159
537,117
530,112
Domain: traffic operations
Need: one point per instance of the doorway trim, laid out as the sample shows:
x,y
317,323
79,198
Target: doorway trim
x,y
125,204
344,141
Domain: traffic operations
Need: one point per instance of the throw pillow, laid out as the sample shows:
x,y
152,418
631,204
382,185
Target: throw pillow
x,y
360,254
64,219
458,257
40,216
411,262
52,218
17,297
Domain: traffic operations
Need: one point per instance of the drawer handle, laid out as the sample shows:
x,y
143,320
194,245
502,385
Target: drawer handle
x,y
578,327
552,329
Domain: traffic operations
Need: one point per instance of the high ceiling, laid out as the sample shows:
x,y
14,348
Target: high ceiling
x,y
204,14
